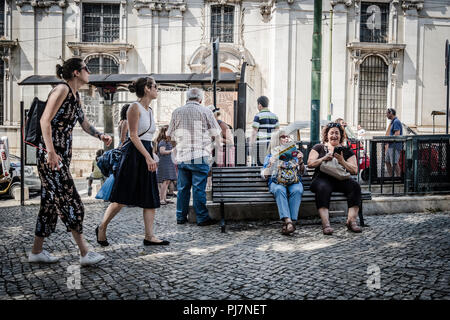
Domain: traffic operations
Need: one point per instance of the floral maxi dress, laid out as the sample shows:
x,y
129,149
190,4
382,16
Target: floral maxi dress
x,y
59,196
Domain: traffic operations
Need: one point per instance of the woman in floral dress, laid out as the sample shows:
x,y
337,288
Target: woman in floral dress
x,y
59,196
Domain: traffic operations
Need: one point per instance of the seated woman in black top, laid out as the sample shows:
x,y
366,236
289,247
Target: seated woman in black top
x,y
323,184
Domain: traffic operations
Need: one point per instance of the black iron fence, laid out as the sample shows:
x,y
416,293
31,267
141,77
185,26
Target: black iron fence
x,y
410,164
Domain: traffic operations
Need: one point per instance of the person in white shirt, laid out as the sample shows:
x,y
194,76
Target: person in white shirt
x,y
361,132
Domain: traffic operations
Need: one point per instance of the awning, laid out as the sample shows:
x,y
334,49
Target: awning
x,y
228,81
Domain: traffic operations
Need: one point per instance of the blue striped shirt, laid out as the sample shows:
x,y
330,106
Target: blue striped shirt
x,y
266,122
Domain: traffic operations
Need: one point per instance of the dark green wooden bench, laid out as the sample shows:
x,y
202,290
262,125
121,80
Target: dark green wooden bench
x,y
245,185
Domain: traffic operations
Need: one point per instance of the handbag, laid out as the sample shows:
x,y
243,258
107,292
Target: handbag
x,y
110,160
105,191
335,169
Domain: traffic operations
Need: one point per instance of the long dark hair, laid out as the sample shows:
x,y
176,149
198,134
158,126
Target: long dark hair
x,y
66,70
162,135
123,111
139,85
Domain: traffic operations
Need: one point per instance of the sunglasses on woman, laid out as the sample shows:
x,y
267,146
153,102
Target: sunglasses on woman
x,y
85,68
284,137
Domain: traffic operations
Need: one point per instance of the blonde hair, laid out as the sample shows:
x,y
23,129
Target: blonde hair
x,y
275,140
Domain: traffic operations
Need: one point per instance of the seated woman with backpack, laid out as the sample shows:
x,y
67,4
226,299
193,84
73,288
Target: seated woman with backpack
x,y
283,166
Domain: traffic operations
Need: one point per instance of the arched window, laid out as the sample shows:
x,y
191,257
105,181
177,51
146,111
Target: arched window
x,y
222,23
373,84
102,65
97,64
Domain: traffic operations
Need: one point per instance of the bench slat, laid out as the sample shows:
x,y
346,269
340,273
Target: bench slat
x,y
241,189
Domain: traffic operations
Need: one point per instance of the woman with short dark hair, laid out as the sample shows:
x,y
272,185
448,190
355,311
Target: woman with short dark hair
x,y
59,196
323,184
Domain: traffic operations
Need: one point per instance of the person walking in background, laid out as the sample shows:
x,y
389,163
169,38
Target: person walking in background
x,y
393,149
193,127
226,158
135,182
96,173
166,168
59,196
264,123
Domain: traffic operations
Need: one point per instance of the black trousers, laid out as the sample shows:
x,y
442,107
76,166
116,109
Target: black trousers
x,y
323,185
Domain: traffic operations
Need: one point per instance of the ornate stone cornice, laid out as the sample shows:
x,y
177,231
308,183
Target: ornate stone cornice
x,y
412,4
159,6
4,43
42,3
348,3
224,2
266,9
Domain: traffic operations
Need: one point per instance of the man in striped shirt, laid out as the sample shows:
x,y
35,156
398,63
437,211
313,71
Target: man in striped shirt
x,y
264,123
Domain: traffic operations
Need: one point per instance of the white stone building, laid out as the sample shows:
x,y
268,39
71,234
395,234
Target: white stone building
x,y
384,53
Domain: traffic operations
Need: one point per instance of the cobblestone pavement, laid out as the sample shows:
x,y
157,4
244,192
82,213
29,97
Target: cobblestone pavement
x,y
251,261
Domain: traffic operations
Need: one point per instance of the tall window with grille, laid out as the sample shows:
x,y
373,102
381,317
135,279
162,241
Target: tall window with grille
x,y
374,23
222,23
373,93
101,22
93,108
102,65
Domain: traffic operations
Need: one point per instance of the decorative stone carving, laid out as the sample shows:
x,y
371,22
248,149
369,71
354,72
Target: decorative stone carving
x,y
159,6
117,51
412,4
42,4
361,50
224,2
230,56
266,10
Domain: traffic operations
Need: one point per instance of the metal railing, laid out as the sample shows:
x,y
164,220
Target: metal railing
x,y
387,165
421,164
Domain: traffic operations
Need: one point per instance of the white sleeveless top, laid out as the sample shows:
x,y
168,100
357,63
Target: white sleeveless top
x,y
144,123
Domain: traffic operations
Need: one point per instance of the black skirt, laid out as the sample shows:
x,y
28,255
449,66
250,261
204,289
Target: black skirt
x,y
134,185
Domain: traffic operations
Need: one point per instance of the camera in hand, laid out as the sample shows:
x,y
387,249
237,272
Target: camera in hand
x,y
338,150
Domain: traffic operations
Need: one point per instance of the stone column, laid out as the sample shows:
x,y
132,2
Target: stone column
x,y
408,112
281,62
339,63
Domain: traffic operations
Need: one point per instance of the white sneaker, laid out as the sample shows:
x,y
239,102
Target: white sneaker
x,y
44,257
91,258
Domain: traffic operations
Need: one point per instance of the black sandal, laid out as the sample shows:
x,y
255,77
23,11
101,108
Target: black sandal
x,y
285,229
103,243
